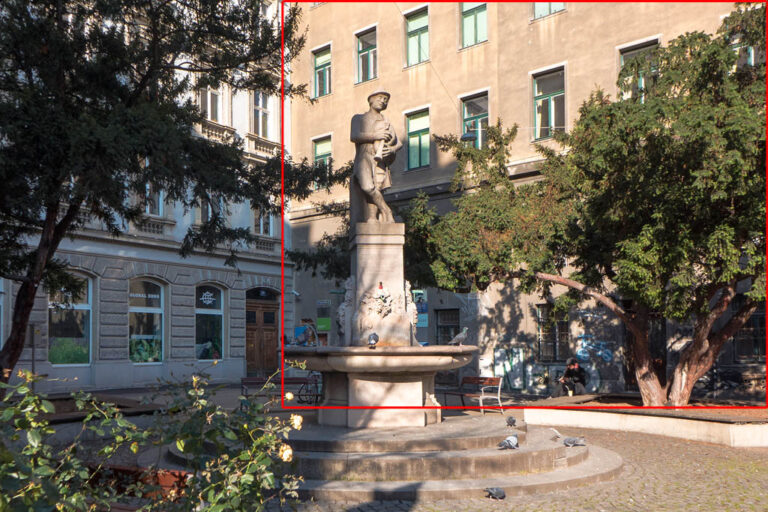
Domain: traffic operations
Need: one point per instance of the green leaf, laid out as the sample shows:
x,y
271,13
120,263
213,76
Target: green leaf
x,y
47,406
180,445
33,437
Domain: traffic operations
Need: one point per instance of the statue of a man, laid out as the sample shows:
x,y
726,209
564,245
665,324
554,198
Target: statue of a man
x,y
375,146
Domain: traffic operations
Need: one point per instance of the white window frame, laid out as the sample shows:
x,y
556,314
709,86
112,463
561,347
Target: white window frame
x,y
160,202
208,91
532,75
144,309
77,307
361,32
220,312
258,217
263,110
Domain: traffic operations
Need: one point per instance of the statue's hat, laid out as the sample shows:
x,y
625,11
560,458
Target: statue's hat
x,y
378,91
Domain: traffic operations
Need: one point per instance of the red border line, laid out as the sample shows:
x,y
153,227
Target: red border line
x,y
282,274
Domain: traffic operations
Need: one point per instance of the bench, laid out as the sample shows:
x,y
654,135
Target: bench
x,y
489,387
257,383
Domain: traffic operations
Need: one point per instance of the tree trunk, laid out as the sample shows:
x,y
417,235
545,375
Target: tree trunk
x,y
687,372
651,390
14,345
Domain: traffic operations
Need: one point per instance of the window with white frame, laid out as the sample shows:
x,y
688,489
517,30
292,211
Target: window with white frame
x,y
418,139
208,208
321,151
541,9
145,321
552,334
211,104
367,61
475,117
549,103
322,64
209,324
260,114
635,87
263,223
154,201
474,23
69,326
417,37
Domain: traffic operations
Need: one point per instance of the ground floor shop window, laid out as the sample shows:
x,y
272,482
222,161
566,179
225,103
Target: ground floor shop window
x,y
69,326
145,322
209,314
447,325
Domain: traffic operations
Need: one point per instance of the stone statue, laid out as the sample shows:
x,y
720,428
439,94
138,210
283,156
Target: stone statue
x,y
375,146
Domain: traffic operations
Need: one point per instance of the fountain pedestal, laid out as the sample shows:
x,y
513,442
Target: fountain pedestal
x,y
390,384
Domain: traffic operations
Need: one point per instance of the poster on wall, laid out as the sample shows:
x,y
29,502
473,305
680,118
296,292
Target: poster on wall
x,y
422,308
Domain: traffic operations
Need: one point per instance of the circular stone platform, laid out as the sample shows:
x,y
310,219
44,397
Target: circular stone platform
x,y
455,459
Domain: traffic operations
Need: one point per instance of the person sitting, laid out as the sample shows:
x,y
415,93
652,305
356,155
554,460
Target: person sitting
x,y
573,381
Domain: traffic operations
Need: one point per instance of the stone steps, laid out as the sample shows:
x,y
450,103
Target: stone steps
x,y
599,465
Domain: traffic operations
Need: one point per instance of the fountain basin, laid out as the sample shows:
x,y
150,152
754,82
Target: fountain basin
x,y
382,387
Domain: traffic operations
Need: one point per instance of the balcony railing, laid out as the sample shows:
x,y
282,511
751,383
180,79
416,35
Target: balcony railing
x,y
215,131
261,147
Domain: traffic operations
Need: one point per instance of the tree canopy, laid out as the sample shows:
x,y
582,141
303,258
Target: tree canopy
x,y
658,197
98,103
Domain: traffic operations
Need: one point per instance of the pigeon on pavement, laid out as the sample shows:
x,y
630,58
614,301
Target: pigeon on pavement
x,y
511,421
373,338
495,493
510,443
574,441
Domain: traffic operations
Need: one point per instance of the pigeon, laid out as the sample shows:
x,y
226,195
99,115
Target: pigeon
x,y
459,338
495,493
511,421
510,443
373,339
558,435
574,441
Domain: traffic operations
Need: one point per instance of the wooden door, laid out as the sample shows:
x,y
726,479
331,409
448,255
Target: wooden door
x,y
261,337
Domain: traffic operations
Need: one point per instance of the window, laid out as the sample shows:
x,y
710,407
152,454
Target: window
x,y
322,154
635,88
209,326
749,342
447,325
418,140
322,72
260,119
154,204
145,322
541,9
210,104
475,118
474,23
263,223
552,336
549,103
417,37
366,56
69,326
746,55
208,208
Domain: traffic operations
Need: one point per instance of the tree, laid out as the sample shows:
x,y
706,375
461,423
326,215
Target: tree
x,y
658,199
97,104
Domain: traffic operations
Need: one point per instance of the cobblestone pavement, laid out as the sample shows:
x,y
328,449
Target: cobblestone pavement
x,y
660,474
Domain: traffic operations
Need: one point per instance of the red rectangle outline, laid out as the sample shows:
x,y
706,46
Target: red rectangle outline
x,y
461,407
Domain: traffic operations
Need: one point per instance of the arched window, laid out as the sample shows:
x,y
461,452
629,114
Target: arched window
x,y
69,326
209,325
145,321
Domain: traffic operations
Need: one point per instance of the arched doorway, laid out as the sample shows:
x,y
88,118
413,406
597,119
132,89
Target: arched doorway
x,y
261,330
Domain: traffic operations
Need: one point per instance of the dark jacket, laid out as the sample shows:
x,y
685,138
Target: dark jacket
x,y
576,375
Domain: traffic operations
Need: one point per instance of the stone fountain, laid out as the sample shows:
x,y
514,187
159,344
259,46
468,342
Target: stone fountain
x,y
386,383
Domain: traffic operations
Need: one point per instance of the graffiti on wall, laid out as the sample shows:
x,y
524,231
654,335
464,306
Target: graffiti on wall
x,y
589,347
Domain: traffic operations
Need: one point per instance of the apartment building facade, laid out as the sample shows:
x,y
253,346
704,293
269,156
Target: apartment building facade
x,y
453,68
146,313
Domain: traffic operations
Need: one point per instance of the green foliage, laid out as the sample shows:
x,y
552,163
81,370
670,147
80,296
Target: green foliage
x,y
36,476
67,351
235,457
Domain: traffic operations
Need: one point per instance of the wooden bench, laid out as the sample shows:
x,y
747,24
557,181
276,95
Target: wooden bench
x,y
489,387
